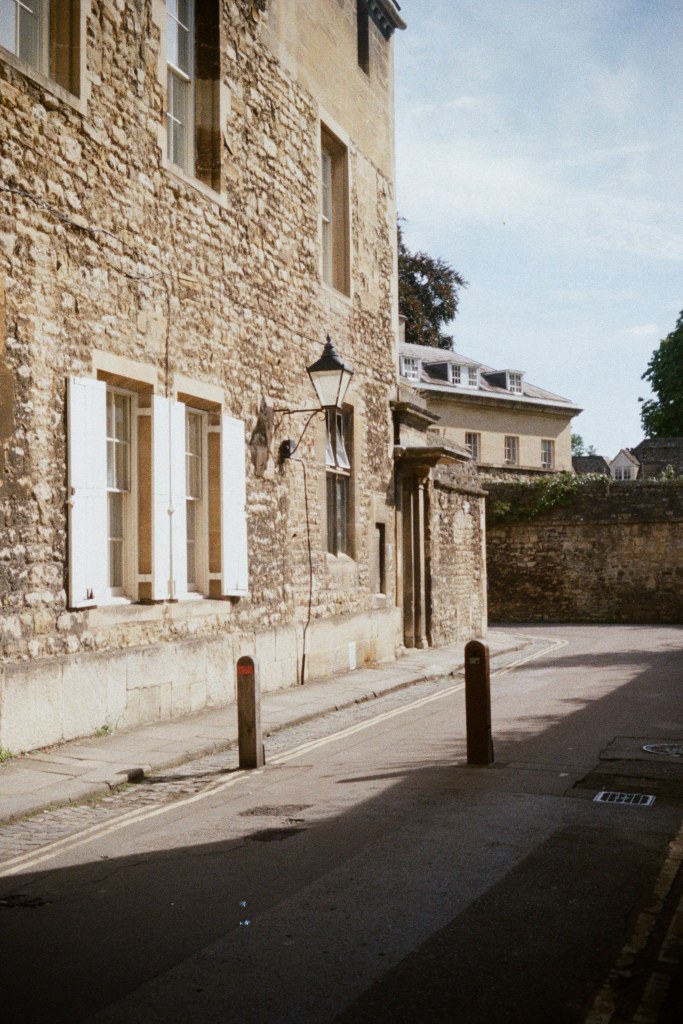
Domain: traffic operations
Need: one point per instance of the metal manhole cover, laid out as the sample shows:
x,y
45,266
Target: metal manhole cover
x,y
637,799
669,749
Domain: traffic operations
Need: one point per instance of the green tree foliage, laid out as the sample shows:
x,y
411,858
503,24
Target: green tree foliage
x,y
579,446
663,416
427,295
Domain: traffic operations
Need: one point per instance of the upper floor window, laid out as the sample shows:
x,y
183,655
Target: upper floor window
x,y
44,34
515,383
363,24
473,444
410,367
547,454
454,373
472,377
512,450
334,212
193,66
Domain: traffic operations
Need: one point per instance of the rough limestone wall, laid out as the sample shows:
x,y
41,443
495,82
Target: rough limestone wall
x,y
614,554
101,247
456,562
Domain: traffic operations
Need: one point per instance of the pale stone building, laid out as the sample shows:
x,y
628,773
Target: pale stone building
x,y
508,424
192,197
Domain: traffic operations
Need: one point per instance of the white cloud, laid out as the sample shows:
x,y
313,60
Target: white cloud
x,y
643,331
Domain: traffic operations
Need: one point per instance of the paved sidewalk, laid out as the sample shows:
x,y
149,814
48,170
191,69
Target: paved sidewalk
x,y
89,767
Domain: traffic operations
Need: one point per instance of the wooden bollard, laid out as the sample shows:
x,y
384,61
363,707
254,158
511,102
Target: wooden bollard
x,y
250,737
478,703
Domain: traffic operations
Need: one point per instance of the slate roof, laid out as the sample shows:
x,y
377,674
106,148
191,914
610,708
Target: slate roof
x,y
427,354
590,464
656,453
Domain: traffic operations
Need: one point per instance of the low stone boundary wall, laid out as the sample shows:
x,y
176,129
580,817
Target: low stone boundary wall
x,y
597,552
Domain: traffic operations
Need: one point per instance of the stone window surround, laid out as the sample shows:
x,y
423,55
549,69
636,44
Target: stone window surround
x,y
78,103
224,109
119,371
327,125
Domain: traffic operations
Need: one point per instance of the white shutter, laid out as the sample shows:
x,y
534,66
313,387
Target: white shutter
x,y
87,502
234,560
178,500
161,498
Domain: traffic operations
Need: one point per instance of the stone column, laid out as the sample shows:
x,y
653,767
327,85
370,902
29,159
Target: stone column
x,y
407,510
419,566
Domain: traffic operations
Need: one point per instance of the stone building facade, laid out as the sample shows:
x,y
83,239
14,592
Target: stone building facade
x,y
509,425
192,196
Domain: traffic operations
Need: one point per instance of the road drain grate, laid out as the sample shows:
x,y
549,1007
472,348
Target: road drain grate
x,y
668,749
637,799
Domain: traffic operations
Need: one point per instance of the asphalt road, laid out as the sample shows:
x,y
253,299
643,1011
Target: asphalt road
x,y
370,874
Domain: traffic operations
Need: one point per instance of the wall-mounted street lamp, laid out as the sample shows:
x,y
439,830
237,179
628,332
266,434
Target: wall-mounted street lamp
x,y
330,377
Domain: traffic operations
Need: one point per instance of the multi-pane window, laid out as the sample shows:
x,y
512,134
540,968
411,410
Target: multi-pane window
x,y
193,466
334,212
180,59
44,34
410,367
511,450
157,496
472,376
193,73
473,444
338,480
547,454
515,383
118,486
454,373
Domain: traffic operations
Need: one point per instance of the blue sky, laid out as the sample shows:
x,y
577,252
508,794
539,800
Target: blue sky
x,y
539,150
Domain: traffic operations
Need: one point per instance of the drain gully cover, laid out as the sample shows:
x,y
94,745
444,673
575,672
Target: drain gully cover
x,y
635,799
669,749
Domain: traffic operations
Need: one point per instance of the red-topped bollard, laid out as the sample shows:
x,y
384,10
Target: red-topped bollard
x,y
478,703
250,737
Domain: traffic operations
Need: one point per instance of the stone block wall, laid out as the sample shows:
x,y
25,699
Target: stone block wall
x,y
457,576
611,553
105,248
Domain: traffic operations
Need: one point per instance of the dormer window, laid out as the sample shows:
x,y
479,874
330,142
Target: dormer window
x,y
472,377
454,373
410,367
515,383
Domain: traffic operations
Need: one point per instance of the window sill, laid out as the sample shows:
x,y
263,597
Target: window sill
x,y
219,198
28,71
341,298
341,565
127,611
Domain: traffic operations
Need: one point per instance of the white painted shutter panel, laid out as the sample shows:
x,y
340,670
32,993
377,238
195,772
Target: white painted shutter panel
x,y
234,559
87,502
161,498
178,500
